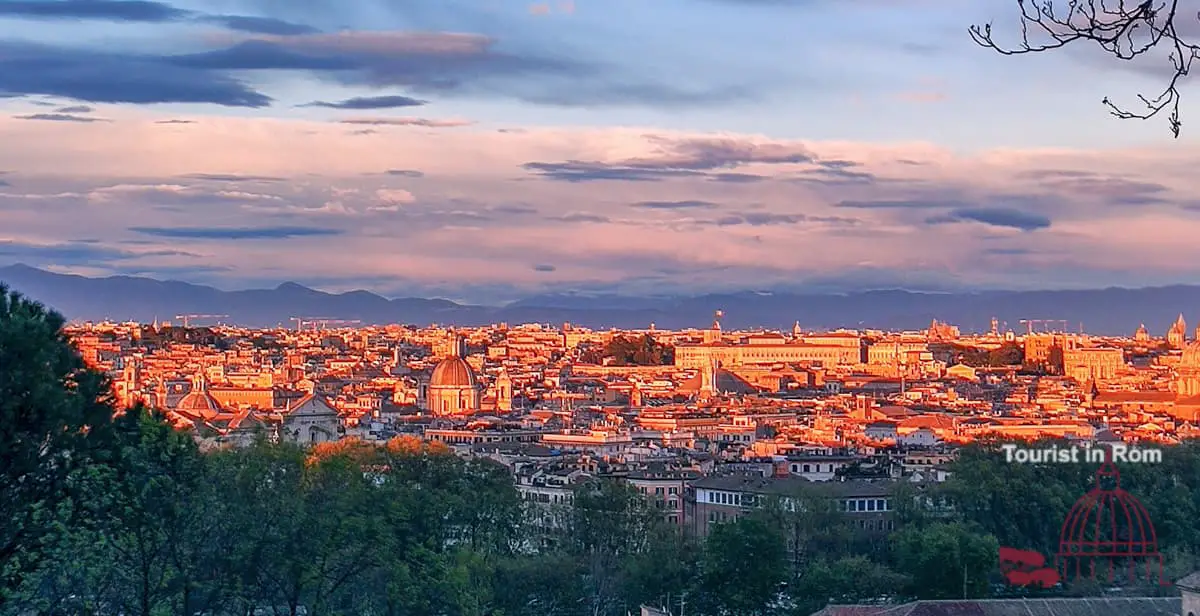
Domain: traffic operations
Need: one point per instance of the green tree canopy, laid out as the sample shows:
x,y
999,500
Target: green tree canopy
x,y
54,419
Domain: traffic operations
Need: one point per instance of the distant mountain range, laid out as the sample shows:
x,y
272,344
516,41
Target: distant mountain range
x,y
1110,311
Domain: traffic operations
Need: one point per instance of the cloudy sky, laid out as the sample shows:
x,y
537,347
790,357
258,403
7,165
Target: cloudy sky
x,y
488,149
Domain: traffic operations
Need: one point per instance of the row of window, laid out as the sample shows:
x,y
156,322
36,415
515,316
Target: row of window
x,y
542,497
873,524
865,504
813,468
853,505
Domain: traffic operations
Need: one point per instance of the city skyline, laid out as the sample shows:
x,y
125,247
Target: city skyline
x,y
490,150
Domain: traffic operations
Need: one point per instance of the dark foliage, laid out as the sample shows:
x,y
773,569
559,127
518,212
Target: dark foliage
x,y
631,351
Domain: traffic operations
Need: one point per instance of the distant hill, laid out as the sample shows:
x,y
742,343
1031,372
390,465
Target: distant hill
x,y
1103,311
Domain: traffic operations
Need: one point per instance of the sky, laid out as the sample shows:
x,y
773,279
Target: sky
x,y
488,150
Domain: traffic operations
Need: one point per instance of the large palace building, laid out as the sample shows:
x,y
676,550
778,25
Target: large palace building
x,y
831,349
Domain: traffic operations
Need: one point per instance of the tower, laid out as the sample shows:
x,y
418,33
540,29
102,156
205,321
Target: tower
x,y
635,395
504,392
1177,335
796,330
199,382
708,379
713,334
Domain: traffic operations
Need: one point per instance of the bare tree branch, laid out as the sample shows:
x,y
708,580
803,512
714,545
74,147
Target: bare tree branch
x,y
1124,30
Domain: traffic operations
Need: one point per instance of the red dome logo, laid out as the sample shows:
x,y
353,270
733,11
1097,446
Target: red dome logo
x,y
1107,533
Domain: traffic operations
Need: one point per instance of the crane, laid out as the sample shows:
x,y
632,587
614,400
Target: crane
x,y
1031,324
187,318
322,322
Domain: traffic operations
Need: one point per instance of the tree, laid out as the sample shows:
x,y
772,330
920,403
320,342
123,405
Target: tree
x,y
848,580
54,419
156,521
744,568
946,561
630,351
1124,29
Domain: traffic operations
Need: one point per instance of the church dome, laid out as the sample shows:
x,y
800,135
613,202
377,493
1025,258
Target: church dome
x,y
452,372
198,401
1191,355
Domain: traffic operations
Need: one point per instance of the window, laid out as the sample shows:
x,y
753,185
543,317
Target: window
x,y
672,490
806,467
871,505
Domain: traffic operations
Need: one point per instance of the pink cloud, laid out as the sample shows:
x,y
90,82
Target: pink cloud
x,y
779,211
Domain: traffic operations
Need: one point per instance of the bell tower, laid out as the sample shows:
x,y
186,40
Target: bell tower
x,y
504,392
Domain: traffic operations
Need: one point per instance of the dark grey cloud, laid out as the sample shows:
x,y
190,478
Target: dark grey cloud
x,y
4,183
78,252
1008,252
541,267
230,177
175,122
103,77
1043,174
1112,189
75,109
143,11
580,171
405,173
675,205
835,172
994,216
517,210
261,55
235,233
260,25
696,157
760,219
371,102
447,64
736,178
59,117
